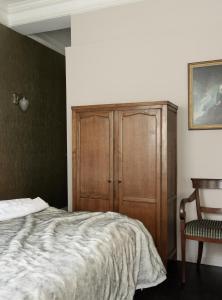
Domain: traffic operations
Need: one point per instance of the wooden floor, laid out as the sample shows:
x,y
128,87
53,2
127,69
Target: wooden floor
x,y
203,285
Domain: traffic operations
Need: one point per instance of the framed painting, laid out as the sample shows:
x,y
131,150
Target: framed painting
x,y
205,95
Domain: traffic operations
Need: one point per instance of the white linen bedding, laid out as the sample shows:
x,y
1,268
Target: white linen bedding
x,y
53,254
15,208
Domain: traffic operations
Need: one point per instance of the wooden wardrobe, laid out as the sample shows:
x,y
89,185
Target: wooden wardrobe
x,y
124,160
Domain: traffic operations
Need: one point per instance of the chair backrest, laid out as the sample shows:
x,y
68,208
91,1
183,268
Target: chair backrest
x,y
204,183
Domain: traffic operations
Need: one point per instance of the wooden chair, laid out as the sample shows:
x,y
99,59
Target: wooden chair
x,y
201,230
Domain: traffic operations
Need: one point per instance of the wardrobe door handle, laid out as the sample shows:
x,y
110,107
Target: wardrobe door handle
x,y
109,181
119,181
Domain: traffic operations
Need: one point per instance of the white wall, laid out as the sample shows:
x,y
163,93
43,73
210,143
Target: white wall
x,y
140,52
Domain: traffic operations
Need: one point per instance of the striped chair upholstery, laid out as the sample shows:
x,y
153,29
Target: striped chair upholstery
x,y
201,230
211,229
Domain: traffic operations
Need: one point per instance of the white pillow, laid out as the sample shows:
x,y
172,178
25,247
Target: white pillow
x,y
10,209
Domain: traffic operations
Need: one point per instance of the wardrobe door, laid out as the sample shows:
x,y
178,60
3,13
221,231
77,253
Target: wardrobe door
x,y
93,161
138,154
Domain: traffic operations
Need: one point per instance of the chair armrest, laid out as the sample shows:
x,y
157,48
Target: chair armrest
x,y
183,202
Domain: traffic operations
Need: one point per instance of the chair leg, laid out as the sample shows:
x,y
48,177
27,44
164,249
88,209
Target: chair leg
x,y
200,252
183,254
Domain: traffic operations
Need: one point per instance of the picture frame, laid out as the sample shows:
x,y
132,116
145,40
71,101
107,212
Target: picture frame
x,y
205,95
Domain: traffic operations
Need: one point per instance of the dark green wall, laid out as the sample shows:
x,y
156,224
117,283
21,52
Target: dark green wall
x,y
32,144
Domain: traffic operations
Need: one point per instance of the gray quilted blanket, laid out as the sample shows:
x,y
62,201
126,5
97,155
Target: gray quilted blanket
x,y
53,254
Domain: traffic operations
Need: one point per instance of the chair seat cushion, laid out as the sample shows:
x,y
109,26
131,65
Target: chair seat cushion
x,y
211,229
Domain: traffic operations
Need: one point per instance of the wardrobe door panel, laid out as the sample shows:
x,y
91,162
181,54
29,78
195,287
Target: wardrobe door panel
x,y
94,161
138,154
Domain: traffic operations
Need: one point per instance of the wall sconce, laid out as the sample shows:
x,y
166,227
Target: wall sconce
x,y
21,101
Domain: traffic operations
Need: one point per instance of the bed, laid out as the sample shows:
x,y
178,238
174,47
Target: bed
x,y
52,254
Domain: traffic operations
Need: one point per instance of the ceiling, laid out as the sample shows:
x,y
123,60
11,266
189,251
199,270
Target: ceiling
x,y
55,39
34,16
10,1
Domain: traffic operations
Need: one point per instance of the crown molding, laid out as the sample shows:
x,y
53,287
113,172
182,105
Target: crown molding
x,y
30,4
29,11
